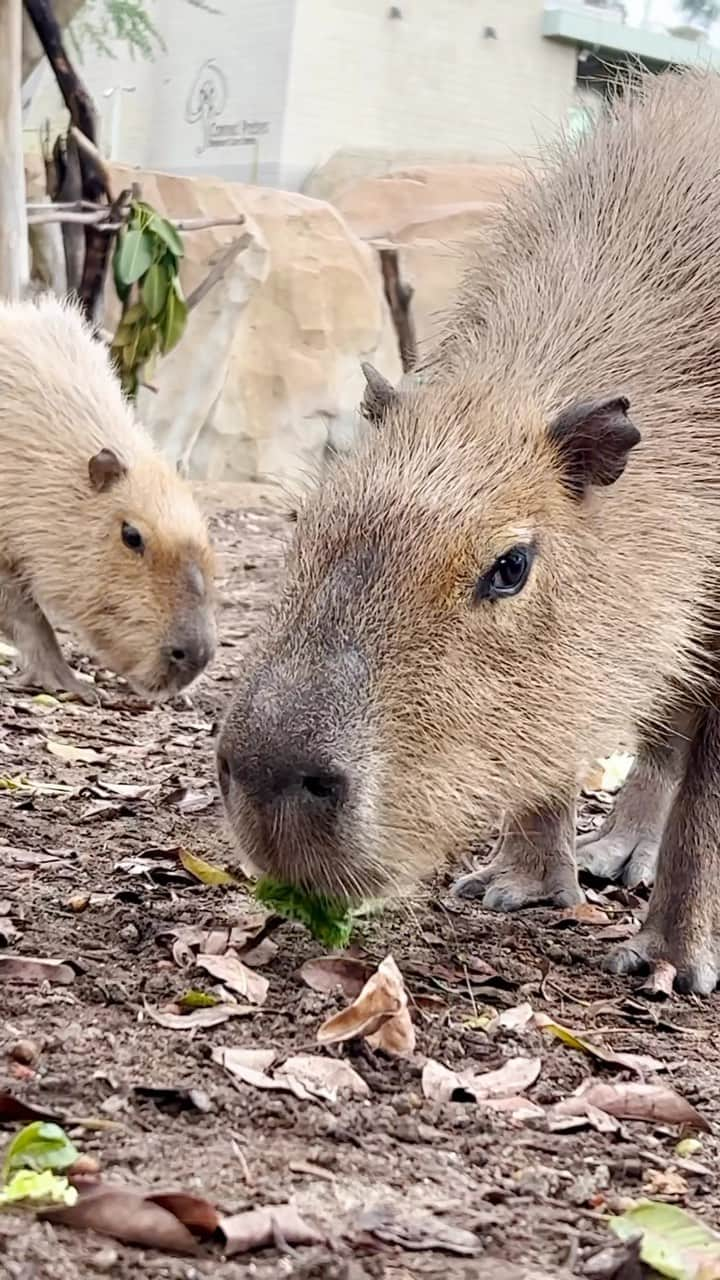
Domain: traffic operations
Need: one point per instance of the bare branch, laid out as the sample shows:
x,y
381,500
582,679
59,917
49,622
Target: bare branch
x,y
217,272
102,220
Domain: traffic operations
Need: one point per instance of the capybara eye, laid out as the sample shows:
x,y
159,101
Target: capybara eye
x,y
133,538
507,576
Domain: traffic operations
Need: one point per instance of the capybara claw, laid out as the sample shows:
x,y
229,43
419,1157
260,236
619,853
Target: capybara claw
x,y
624,857
697,972
505,891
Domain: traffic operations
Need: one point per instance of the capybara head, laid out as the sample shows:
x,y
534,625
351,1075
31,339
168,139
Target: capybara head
x,y
107,535
435,649
154,622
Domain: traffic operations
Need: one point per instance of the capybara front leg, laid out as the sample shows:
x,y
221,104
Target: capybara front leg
x,y
44,666
683,922
626,846
534,863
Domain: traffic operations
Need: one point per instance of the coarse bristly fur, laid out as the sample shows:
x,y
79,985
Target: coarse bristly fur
x,y
62,557
378,664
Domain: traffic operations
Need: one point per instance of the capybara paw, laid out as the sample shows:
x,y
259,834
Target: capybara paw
x,y
697,966
504,889
626,856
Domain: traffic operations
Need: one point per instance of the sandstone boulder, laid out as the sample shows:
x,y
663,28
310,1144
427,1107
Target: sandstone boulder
x,y
267,377
430,213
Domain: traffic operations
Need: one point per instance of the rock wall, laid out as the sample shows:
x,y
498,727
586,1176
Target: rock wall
x,y
433,215
267,377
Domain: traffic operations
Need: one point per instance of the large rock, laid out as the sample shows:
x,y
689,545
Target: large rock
x,y
432,214
267,379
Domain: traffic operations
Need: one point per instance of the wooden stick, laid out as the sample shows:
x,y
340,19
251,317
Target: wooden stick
x,y
100,219
399,296
217,272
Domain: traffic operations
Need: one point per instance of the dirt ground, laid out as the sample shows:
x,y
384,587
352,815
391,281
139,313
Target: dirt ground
x,y
537,1199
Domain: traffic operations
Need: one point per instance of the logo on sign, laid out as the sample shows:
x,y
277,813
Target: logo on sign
x,y
206,104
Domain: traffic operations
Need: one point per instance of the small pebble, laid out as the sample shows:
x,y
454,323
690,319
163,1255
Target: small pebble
x,y
104,1259
25,1051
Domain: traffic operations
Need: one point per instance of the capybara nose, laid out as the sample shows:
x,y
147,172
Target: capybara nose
x,y
188,656
308,784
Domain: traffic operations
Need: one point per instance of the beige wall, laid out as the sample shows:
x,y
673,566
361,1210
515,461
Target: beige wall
x,y
430,83
239,56
327,78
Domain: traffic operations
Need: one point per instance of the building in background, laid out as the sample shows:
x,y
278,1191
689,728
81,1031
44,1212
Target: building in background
x,y
302,93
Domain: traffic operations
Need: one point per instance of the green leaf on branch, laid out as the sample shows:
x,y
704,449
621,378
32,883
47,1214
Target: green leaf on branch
x,y
173,320
134,256
155,289
166,232
121,288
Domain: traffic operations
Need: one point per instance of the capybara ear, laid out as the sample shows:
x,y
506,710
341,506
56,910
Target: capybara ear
x,y
105,469
593,440
380,396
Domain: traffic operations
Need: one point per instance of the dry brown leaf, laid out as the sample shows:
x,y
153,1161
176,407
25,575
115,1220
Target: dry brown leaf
x,y
659,986
198,1215
382,999
328,1078
396,1036
563,1121
616,932
665,1182
211,1017
415,1231
32,857
230,970
35,969
307,1076
263,953
71,754
514,1019
583,913
439,1084
518,1108
327,973
258,1228
125,1215
12,1109
249,1066
634,1101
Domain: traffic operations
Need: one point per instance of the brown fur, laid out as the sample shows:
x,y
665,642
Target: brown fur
x,y
62,558
378,667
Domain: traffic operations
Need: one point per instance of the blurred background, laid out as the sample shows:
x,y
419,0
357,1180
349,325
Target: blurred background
x,y
360,145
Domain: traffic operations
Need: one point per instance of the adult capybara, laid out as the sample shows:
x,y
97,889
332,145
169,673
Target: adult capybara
x,y
97,532
521,564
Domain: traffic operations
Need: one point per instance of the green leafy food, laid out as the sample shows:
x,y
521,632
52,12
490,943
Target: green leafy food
x,y
148,252
166,232
673,1243
198,1000
328,920
155,289
174,319
45,1187
39,1146
135,255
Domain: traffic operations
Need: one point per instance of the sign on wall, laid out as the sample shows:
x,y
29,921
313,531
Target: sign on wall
x,y
206,107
